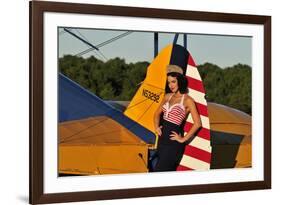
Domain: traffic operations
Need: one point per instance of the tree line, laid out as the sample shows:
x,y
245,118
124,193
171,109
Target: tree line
x,y
117,80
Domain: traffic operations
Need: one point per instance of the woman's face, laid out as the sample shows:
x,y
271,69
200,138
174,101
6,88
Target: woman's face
x,y
173,84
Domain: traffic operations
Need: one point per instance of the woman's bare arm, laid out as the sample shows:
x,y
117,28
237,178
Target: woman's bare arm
x,y
195,116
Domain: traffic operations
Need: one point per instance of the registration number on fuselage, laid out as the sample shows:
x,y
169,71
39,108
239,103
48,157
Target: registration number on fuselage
x,y
151,95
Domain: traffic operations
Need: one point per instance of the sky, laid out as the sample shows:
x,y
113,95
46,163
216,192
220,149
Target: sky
x,y
224,51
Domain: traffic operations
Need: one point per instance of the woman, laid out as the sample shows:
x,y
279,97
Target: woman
x,y
175,108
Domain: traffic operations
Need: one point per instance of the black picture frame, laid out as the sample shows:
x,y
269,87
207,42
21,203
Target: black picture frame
x,y
36,105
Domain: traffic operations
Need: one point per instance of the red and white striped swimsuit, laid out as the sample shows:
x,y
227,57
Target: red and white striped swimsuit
x,y
176,113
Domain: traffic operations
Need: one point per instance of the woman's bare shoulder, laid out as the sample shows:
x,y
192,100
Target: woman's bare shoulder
x,y
167,96
188,99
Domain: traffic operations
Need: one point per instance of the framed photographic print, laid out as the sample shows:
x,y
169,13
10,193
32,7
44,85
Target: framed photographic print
x,y
130,102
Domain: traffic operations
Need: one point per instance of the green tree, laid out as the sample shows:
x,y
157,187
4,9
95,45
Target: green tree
x,y
230,86
116,80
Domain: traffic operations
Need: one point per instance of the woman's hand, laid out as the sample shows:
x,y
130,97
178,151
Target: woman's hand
x,y
159,131
177,137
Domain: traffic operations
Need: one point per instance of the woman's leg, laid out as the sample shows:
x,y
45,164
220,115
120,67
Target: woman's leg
x,y
168,158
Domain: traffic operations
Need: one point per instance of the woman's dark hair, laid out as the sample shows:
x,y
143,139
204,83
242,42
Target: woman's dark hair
x,y
182,82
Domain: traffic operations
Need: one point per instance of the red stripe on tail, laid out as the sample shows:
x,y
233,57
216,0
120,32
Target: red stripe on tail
x,y
197,153
203,132
191,61
183,168
202,109
195,84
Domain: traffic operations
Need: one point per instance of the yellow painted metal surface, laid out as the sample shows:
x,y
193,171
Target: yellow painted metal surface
x,y
244,156
151,92
227,120
100,145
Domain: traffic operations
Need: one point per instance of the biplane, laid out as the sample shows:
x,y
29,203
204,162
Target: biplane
x,y
101,137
